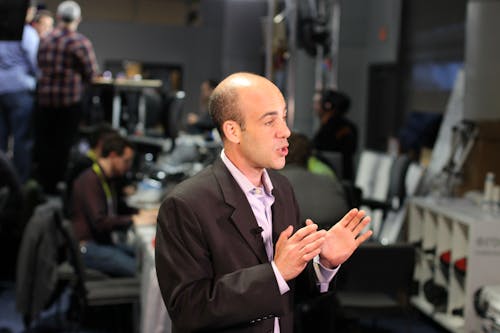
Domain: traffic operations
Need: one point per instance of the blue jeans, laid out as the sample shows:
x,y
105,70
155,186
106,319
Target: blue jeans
x,y
114,260
16,111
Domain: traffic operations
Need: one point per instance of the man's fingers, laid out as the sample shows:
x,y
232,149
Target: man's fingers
x,y
314,244
309,256
285,234
314,240
361,225
355,220
304,231
348,217
363,237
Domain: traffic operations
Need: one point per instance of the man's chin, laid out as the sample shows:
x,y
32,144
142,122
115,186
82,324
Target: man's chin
x,y
278,165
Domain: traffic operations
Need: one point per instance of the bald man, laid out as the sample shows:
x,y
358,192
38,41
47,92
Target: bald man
x,y
231,252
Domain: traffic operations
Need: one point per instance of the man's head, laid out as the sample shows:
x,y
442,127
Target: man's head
x,y
300,149
250,113
69,13
206,89
118,153
98,134
43,22
335,102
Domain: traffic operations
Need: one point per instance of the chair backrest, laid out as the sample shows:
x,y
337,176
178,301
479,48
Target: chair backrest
x,y
413,178
333,159
397,179
374,174
175,116
39,257
74,259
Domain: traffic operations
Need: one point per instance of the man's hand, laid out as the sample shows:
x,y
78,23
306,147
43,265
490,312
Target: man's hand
x,y
145,217
294,252
344,237
192,118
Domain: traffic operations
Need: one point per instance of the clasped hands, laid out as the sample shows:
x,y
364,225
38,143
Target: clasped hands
x,y
334,246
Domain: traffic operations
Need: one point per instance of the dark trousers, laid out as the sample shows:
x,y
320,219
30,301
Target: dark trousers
x,y
112,259
56,130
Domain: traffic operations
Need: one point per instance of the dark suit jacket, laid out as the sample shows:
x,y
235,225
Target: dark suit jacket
x,y
212,266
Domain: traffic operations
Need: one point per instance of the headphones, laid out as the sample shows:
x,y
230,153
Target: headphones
x,y
334,100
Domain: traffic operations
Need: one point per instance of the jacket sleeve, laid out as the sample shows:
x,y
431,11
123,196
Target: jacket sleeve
x,y
195,296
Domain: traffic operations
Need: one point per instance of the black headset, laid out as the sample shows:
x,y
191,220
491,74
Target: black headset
x,y
335,100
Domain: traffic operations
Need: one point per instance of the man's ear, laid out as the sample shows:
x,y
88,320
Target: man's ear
x,y
232,131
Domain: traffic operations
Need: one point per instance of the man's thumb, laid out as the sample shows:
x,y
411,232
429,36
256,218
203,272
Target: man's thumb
x,y
285,234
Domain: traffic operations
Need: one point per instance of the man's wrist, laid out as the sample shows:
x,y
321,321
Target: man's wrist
x,y
326,263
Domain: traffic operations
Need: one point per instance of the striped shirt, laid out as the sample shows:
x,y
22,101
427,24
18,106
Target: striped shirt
x,y
67,62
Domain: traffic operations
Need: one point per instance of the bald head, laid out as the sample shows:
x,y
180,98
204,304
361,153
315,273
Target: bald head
x,y
224,102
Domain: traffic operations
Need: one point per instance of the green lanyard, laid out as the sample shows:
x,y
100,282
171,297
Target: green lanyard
x,y
105,186
92,155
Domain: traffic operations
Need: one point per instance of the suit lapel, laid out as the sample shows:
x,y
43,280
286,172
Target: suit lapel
x,y
279,220
242,216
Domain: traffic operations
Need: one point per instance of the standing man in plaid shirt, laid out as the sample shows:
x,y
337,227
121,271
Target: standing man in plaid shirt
x,y
67,64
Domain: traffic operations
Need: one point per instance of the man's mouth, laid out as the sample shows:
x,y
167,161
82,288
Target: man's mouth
x,y
283,151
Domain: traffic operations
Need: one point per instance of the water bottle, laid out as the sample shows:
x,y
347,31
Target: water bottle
x,y
489,184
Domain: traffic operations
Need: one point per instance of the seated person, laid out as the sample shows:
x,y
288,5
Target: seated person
x,y
201,122
94,206
80,162
320,197
336,132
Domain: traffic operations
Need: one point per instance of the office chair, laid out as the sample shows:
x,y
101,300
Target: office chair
x,y
333,159
49,262
173,117
41,252
92,288
382,180
375,282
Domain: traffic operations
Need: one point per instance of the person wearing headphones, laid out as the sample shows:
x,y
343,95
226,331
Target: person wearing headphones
x,y
336,132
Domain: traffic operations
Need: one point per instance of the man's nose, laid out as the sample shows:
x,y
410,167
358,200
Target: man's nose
x,y
284,131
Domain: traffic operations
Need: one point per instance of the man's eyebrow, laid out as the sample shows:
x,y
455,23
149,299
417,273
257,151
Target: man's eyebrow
x,y
273,113
270,113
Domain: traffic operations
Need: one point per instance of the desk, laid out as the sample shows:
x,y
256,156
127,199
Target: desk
x,y
154,317
120,85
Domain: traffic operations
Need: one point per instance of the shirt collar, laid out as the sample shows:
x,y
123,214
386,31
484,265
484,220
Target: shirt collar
x,y
242,180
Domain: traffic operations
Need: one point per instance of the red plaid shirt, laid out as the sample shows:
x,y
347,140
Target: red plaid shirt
x,y
67,62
